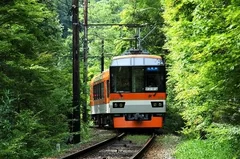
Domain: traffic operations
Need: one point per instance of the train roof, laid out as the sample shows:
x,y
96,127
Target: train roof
x,y
138,56
100,77
137,60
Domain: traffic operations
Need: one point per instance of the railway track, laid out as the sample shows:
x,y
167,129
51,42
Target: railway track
x,y
118,147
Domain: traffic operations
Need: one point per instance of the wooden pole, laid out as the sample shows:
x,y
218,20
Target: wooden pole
x,y
85,61
102,56
75,128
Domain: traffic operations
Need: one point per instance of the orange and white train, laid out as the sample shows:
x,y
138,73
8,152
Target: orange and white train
x,y
131,94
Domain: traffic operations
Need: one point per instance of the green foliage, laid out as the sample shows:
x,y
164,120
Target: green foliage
x,y
85,132
24,134
223,142
204,51
127,13
33,110
145,12
173,122
207,149
203,40
63,8
28,140
6,115
103,12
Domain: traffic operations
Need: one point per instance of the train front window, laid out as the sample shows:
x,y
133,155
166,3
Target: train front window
x,y
154,79
120,79
137,79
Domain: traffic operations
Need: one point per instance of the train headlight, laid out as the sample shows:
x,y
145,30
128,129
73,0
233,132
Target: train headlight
x,y
115,105
157,104
118,104
160,104
154,104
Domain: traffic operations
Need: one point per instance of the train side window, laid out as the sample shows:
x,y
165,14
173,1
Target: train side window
x,y
95,92
102,90
98,91
108,88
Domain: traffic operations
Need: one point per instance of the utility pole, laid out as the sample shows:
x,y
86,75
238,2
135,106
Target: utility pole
x,y
102,56
75,126
85,61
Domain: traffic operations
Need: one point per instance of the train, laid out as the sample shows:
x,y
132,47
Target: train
x,y
131,93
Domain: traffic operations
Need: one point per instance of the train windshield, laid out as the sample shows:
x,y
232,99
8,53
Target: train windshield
x,y
138,79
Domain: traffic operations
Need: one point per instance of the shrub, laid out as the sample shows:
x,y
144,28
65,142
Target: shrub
x,y
24,134
207,149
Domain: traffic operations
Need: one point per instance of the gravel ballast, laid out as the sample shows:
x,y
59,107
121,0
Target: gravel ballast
x,y
162,148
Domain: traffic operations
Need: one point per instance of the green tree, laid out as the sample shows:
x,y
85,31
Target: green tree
x,y
203,40
149,13
64,10
31,68
103,12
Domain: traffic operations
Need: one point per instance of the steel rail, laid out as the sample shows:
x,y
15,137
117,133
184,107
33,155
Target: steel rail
x,y
91,148
144,148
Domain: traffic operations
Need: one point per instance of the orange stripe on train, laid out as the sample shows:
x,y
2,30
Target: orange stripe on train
x,y
138,96
129,96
